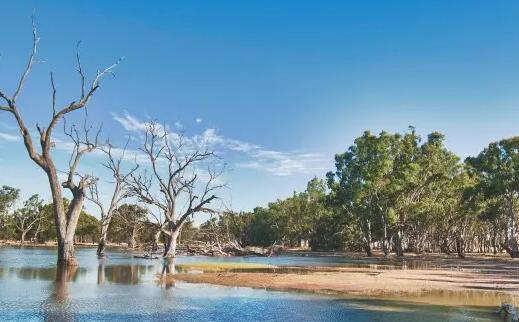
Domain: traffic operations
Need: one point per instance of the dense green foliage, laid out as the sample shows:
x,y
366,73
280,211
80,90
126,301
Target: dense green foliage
x,y
8,197
396,193
129,219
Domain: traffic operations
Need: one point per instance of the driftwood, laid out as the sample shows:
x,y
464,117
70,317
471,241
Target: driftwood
x,y
202,248
225,249
509,311
146,256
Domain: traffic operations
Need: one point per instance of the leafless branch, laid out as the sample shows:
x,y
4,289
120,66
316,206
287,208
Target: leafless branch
x,y
53,93
83,144
120,182
80,69
30,63
179,177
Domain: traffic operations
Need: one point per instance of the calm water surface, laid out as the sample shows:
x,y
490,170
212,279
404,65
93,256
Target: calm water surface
x,y
122,288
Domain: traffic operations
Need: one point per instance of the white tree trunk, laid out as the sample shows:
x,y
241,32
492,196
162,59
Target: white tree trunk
x,y
170,248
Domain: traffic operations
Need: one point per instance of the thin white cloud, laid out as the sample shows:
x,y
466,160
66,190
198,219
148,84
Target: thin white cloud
x,y
8,126
130,123
198,120
285,163
276,163
211,137
9,137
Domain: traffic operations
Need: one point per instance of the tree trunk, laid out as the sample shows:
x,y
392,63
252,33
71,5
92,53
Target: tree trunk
x,y
367,239
444,245
66,222
460,246
22,237
512,247
156,237
170,247
101,246
132,242
494,240
35,237
102,241
385,246
398,243
66,255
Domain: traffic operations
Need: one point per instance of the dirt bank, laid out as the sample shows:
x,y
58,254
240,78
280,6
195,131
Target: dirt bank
x,y
478,281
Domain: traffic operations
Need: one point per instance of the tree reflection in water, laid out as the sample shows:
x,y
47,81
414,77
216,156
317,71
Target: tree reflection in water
x,y
101,276
58,306
121,274
166,277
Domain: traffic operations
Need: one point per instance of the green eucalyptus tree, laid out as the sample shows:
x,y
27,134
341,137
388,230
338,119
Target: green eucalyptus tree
x,y
8,196
497,170
362,181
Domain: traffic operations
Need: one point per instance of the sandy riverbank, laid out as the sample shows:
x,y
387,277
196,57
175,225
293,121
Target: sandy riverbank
x,y
478,281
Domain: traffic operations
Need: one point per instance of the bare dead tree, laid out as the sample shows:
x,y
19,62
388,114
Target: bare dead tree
x,y
65,219
119,181
38,229
29,215
156,223
175,183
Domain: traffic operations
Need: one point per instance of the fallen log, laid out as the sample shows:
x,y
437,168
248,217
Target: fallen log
x,y
146,256
230,248
509,310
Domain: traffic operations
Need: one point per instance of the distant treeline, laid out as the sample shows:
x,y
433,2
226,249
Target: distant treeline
x,y
392,192
33,222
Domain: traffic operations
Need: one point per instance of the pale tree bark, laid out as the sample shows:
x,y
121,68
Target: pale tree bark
x,y
460,238
181,182
171,243
29,215
65,218
132,237
132,242
383,211
24,225
385,240
512,246
399,249
119,193
156,237
37,231
367,237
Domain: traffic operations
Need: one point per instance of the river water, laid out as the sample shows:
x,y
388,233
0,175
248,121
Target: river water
x,y
122,288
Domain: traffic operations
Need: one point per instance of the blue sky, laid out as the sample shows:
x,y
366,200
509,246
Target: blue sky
x,y
279,86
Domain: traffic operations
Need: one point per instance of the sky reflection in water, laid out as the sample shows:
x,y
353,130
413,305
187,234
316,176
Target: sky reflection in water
x,y
123,288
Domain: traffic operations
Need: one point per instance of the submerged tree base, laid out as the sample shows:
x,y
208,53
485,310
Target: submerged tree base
x,y
68,262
